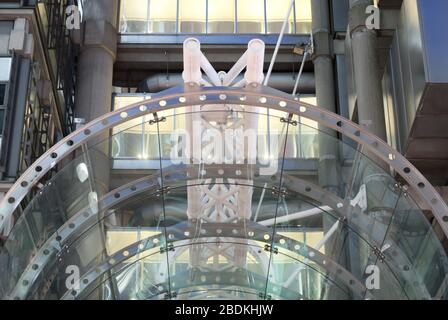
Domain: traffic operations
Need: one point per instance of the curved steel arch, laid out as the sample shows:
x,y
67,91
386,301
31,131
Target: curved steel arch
x,y
120,257
254,95
57,243
64,233
235,279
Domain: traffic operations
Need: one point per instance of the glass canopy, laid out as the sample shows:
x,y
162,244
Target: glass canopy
x,y
263,229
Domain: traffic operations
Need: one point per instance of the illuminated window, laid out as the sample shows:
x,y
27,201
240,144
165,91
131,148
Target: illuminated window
x,y
221,16
192,16
250,15
143,16
276,11
303,16
162,16
134,16
213,16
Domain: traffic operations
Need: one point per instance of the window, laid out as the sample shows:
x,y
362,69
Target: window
x,y
5,31
5,71
213,16
134,16
276,11
250,16
3,87
2,117
162,16
221,16
5,68
192,16
303,16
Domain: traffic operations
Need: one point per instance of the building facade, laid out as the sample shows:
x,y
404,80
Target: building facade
x,y
154,151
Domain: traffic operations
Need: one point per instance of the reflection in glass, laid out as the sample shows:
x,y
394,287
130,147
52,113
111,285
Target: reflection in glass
x,y
162,16
221,16
192,16
134,16
303,16
189,16
251,16
276,11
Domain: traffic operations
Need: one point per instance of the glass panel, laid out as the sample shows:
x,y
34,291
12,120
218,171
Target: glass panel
x,y
219,219
123,235
304,228
414,253
294,279
153,16
2,117
221,16
134,140
251,16
162,16
134,16
75,191
192,16
303,16
5,69
5,32
276,11
220,146
3,87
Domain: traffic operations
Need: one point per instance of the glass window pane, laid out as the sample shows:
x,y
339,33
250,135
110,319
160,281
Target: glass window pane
x,y
192,16
162,16
303,16
5,69
5,31
134,16
2,116
2,94
250,15
221,16
276,11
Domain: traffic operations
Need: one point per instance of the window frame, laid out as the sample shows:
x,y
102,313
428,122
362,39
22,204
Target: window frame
x,y
207,29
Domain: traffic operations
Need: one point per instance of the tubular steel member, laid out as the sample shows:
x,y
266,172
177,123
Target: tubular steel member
x,y
253,95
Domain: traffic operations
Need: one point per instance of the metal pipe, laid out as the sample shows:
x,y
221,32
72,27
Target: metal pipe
x,y
327,236
210,71
260,202
281,81
294,216
366,71
235,70
296,86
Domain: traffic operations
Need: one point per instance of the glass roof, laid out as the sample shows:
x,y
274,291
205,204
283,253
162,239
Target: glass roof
x,y
202,224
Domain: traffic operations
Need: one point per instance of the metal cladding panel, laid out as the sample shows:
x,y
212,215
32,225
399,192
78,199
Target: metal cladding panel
x,y
340,15
433,19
